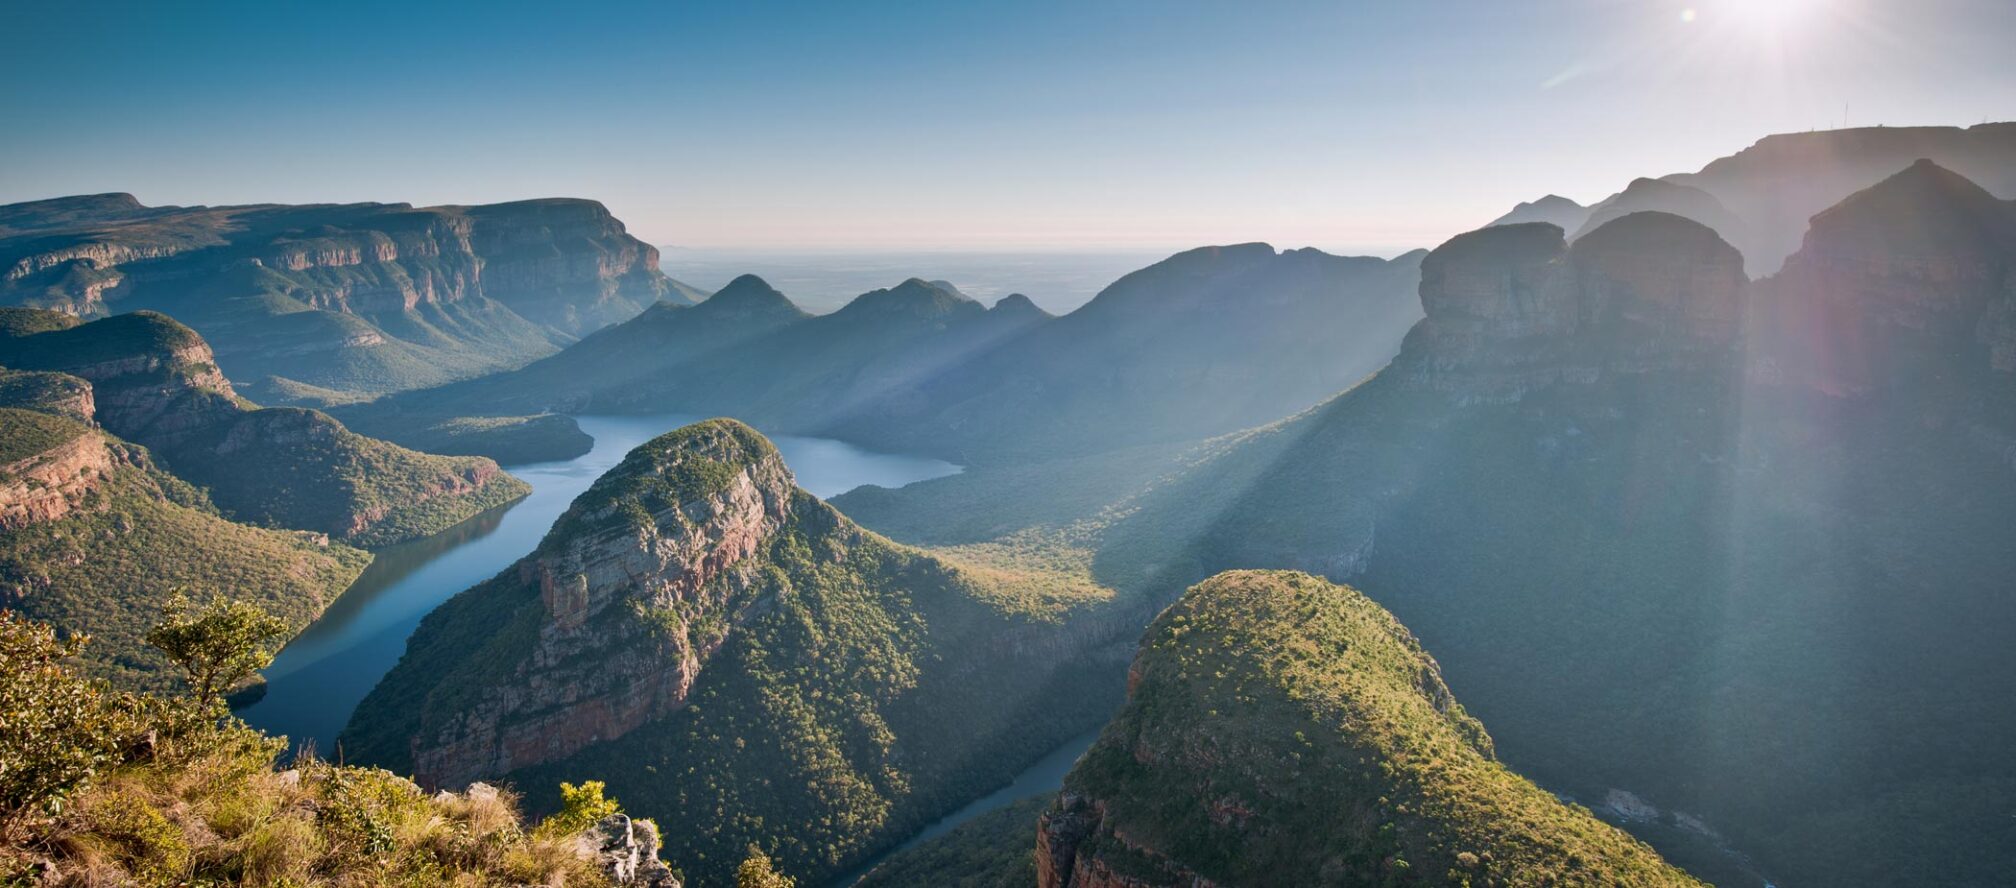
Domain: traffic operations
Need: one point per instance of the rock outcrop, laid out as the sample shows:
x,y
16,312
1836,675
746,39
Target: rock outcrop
x,y
1512,308
712,496
58,393
1911,277
358,297
1283,730
628,852
70,462
153,381
1553,209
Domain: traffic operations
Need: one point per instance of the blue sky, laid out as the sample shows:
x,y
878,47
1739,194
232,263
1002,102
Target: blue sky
x,y
983,124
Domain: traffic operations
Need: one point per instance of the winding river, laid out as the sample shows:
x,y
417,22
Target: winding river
x,y
321,676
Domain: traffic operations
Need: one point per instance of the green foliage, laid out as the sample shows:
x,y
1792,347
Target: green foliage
x,y
993,850
756,871
104,789
107,568
581,807
56,729
1282,729
217,646
25,434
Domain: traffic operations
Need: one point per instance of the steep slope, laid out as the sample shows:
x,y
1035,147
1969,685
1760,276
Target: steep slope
x,y
94,538
989,851
1283,730
356,298
1779,183
1205,342
1744,566
154,382
706,637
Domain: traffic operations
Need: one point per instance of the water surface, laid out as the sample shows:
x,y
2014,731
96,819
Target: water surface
x,y
321,676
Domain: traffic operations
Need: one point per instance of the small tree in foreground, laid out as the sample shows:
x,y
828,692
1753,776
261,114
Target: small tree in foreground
x,y
218,645
756,872
56,729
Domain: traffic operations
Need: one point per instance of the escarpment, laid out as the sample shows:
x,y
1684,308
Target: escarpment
x,y
153,381
1283,730
626,580
700,633
51,466
354,298
1511,308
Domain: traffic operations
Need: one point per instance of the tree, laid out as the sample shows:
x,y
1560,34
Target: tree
x,y
217,646
56,728
756,872
580,808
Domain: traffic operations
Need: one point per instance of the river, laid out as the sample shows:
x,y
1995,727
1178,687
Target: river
x,y
321,676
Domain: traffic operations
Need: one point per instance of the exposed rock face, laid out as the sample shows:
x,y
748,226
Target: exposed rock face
x,y
50,484
1512,308
396,296
596,672
57,393
1911,276
566,263
154,382
628,852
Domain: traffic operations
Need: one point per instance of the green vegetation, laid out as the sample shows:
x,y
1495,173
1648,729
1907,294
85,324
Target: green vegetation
x,y
859,690
305,470
102,788
218,646
25,434
285,466
994,850
1285,730
108,567
511,440
756,871
58,393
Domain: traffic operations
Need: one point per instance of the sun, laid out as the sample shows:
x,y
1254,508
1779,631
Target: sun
x,y
1764,18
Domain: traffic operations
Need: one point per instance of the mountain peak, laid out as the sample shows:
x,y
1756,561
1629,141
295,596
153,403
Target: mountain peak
x,y
1274,728
748,296
1018,305
916,297
1923,207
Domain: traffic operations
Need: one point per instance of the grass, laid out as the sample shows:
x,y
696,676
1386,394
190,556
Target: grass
x,y
1282,729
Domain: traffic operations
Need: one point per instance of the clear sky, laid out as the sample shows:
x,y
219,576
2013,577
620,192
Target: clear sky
x,y
1011,124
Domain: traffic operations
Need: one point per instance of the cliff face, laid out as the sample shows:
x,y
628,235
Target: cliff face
x,y
1511,309
394,296
71,463
703,635
596,672
1283,730
154,382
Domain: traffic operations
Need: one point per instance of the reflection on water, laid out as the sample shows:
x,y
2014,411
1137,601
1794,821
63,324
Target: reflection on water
x,y
319,678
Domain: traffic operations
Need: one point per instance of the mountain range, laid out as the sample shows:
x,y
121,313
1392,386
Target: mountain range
x,y
325,303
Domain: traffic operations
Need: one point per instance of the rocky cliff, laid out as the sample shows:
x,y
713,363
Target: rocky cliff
x,y
354,298
1511,309
155,382
52,465
1283,730
661,536
701,634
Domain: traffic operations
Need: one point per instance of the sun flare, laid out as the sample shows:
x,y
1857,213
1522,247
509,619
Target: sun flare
x,y
1764,18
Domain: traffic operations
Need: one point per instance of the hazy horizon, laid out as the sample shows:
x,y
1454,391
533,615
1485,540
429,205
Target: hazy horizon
x,y
1132,126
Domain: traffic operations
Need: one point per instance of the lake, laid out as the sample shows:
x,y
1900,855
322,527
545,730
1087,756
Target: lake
x,y
321,676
